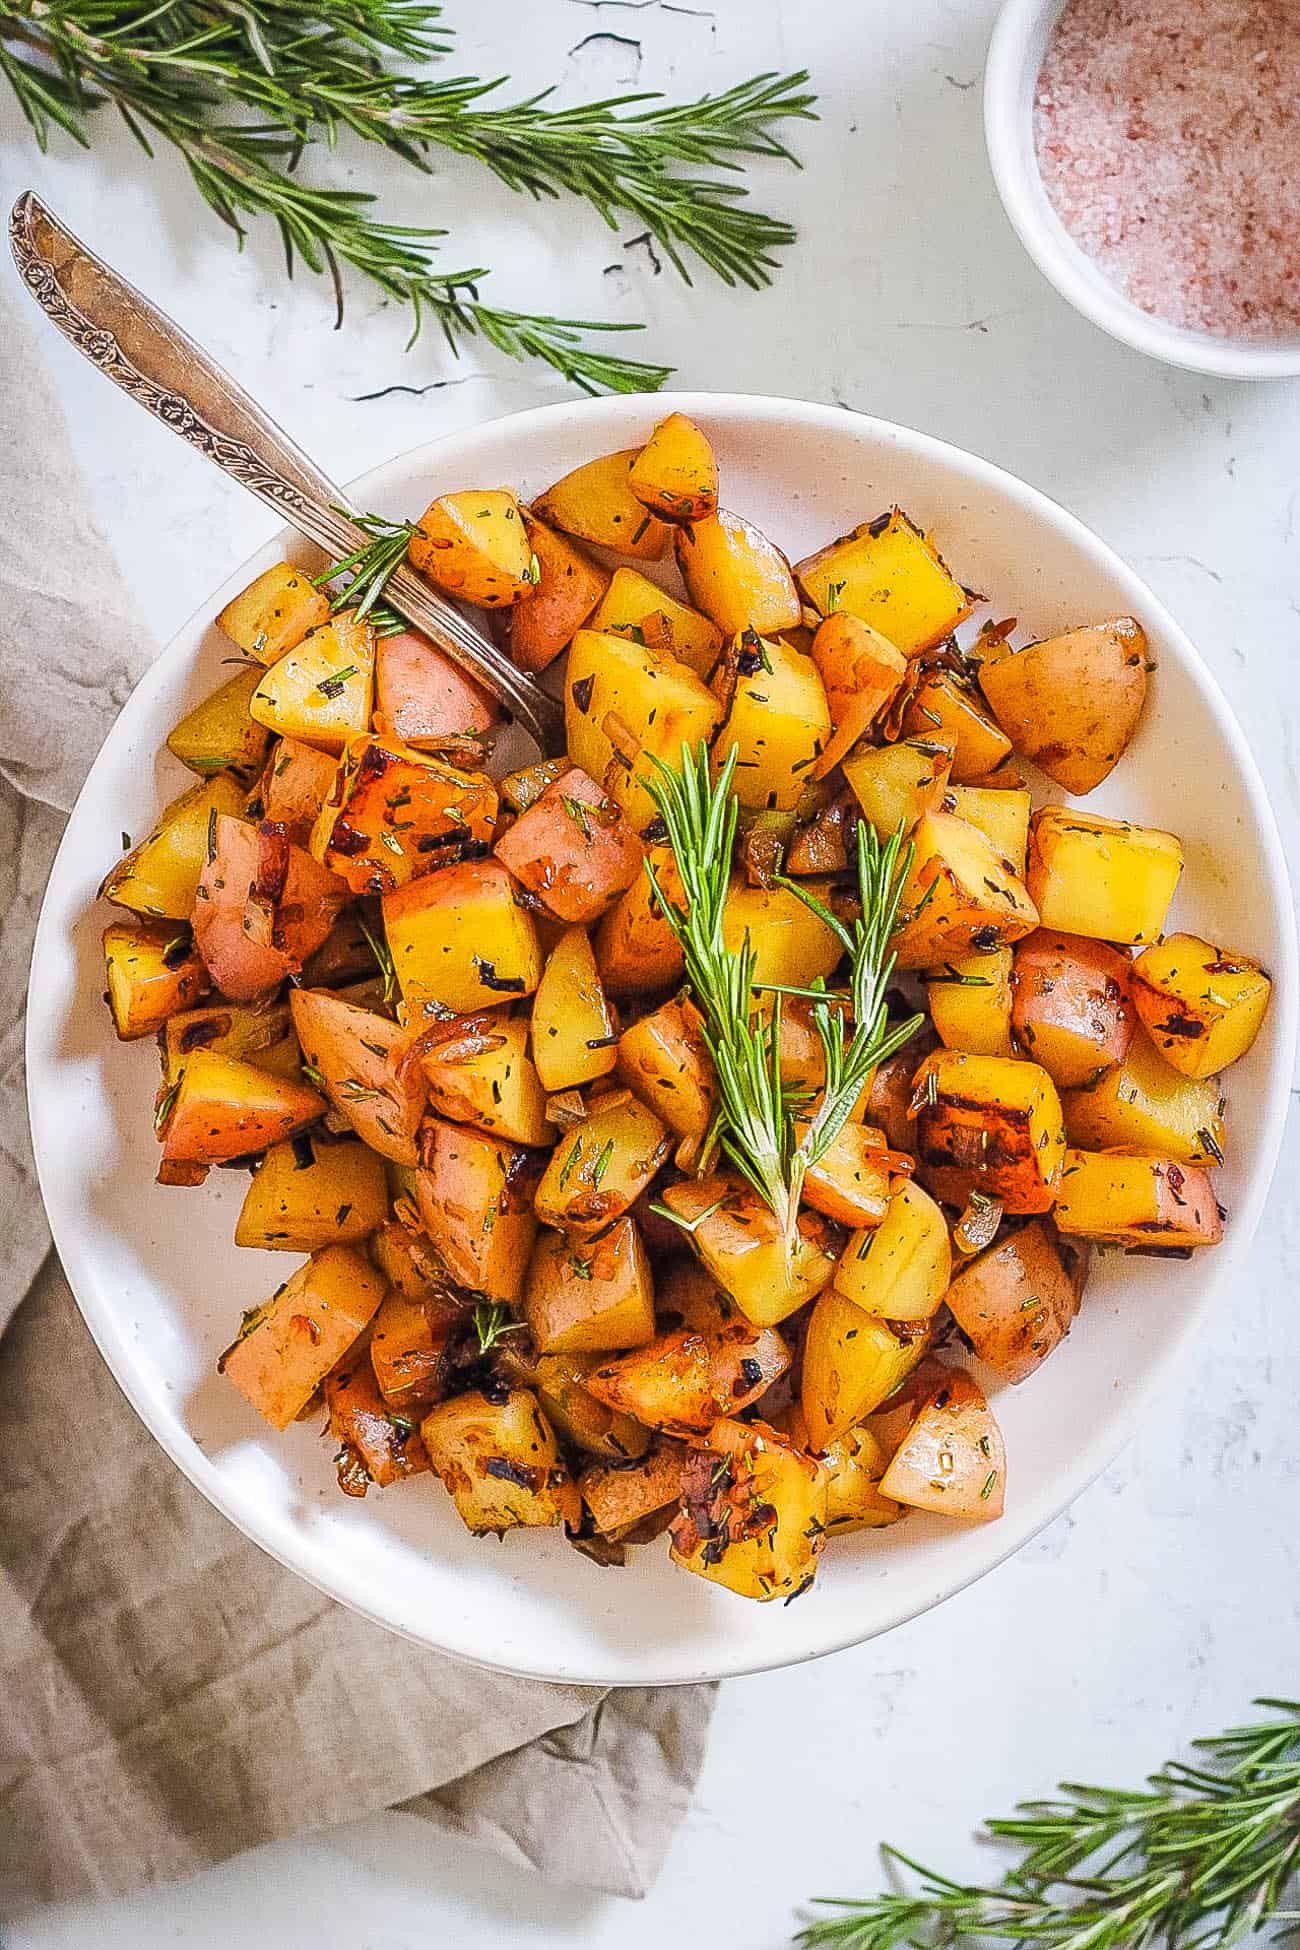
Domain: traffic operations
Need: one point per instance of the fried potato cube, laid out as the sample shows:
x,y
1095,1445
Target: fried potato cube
x,y
636,950
501,1463
305,1195
262,1036
459,940
850,1181
620,1498
217,1108
790,943
287,1347
295,785
151,972
1072,1007
160,876
633,604
408,1344
738,1239
423,697
1145,1104
479,1072
1072,702
474,545
475,1199
899,1269
626,705
1137,1200
589,1299
393,810
568,587
274,613
991,1124
261,907
854,1463
682,1380
778,721
664,1059
960,894
675,474
953,1459
944,706
219,734
573,849
361,1060
375,1445
753,1512
970,1002
852,1363
574,1029
1202,1006
736,576
602,1166
896,785
1001,814
889,574
1016,1301
1101,877
596,503
861,671
560,1384
321,692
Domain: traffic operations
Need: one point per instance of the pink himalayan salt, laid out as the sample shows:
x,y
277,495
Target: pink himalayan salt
x,y
1168,138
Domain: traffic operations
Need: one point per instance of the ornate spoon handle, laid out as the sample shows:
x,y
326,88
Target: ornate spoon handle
x,y
140,349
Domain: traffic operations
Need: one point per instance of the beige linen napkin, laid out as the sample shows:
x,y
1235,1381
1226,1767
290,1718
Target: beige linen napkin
x,y
168,1694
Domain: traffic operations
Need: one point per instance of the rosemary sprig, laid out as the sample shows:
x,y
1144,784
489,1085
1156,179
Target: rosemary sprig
x,y
369,567
492,1322
1200,1859
758,1109
240,88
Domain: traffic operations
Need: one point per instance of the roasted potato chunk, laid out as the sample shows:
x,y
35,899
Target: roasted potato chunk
x,y
960,894
619,1498
216,1108
569,586
475,1197
262,1036
219,734
1072,1007
362,1061
852,1363
1136,1200
854,1463
681,1381
596,503
501,1463
161,876
739,1240
321,693
287,1347
478,1072
573,849
636,949
753,1512
1001,814
636,607
899,1269
375,1444
408,1346
890,575
274,613
675,474
393,811
295,785
587,1299
626,705
307,1194
850,1181
946,707
459,940
474,546
151,971
953,1459
602,1166
862,672
990,1124
970,1002
1145,1104
736,576
574,1030
1072,702
1101,877
778,721
790,943
1202,1006
424,698
896,785
262,905
664,1059
1016,1301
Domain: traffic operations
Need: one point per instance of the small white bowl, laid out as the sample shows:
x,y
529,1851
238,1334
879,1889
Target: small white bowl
x,y
1015,57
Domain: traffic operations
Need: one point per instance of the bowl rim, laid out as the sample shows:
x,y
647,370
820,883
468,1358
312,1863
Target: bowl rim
x,y
1013,43
75,1246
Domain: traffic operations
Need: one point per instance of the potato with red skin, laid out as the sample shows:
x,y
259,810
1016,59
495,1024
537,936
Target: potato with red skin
x,y
424,697
361,1060
295,785
1137,1199
952,1460
573,849
408,1348
862,672
1016,1301
394,813
262,906
590,1299
619,1497
217,1108
636,950
374,1446
1072,702
475,1196
1071,1004
287,1347
474,546
569,585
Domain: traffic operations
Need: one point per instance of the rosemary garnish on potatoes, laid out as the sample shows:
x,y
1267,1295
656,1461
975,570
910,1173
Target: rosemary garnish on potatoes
x,y
758,1108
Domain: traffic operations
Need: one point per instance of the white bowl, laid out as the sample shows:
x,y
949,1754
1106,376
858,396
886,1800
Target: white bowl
x,y
1020,38
162,1286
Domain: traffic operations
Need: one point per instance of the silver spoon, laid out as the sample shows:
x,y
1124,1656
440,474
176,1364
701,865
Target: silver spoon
x,y
142,351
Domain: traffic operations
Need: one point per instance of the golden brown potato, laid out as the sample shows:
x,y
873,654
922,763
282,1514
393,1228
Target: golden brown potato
x,y
307,1194
287,1347
475,1196
589,1299
262,1036
890,575
682,1381
474,545
424,698
990,1124
160,876
970,1002
619,1498
573,849
953,1459
478,1072
1072,1006
152,970
899,1269
790,943
852,1363
1016,1301
596,503
636,950
862,672
896,785
375,1444
740,1242
675,474
459,940
261,907
500,1461
736,576
602,1166
777,721
1128,1199
321,693
574,1028
1000,812
946,707
216,1108
960,894
854,1463
626,705
665,1061
636,607
1072,702
753,1512
408,1346
1202,1006
393,813
362,1062
274,613
850,1181
1145,1104
560,1384
219,734
295,785
1101,877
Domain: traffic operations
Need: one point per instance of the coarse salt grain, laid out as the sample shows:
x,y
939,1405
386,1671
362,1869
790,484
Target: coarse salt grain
x,y
1168,140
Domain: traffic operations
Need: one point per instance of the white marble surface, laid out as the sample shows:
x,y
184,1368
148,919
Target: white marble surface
x,y
1171,1592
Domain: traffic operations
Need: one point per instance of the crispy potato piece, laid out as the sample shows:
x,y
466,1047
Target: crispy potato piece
x,y
899,1268
675,474
1136,1200
887,573
287,1347
850,1181
321,692
479,1072
1144,1103
474,546
671,1384
852,1363
1072,1004
274,613
753,1512
424,697
601,1167
1001,814
1202,1006
1016,1301
991,1124
361,1060
970,1002
944,706
887,1100
569,586
960,894
295,785
151,972
375,1444
589,1299
790,943
217,1108
862,673
737,577
633,604
573,849
665,1060
392,811
620,1497
778,721
160,876
596,503
636,950
460,941
737,1237
1072,702
625,705
1101,877
500,1462
475,1198
408,1348
262,1036
305,1195
574,1029
854,1463
896,785
262,905
953,1459
560,1384
218,734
